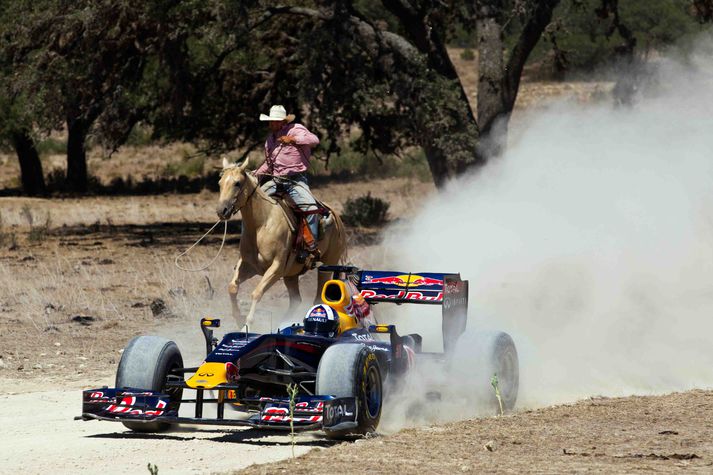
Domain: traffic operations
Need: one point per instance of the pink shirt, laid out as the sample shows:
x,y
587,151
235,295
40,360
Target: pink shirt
x,y
286,159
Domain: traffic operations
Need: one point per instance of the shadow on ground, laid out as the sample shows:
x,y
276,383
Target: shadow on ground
x,y
147,235
246,436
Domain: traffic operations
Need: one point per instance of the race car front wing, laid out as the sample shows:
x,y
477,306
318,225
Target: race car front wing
x,y
137,405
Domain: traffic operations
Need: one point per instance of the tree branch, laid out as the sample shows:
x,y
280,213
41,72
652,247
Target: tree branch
x,y
531,33
371,35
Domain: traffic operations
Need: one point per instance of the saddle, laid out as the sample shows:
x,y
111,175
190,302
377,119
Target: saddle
x,y
304,243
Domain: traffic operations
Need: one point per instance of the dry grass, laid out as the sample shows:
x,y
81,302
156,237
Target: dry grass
x,y
109,258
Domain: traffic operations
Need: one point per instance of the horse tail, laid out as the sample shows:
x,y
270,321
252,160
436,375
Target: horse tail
x,y
337,250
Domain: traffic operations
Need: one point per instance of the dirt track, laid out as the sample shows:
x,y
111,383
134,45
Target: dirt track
x,y
114,272
40,436
657,433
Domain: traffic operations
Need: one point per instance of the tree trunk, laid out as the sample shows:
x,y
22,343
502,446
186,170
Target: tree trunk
x,y
33,181
490,64
76,178
499,81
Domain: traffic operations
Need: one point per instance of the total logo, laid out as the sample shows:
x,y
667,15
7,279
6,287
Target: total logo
x,y
333,413
405,280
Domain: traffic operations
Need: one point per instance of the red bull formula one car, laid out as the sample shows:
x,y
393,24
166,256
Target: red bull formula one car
x,y
339,359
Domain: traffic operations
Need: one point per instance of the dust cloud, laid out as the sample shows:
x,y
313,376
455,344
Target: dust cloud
x,y
590,242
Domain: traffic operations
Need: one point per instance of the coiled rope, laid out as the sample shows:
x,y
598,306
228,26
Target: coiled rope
x,y
225,233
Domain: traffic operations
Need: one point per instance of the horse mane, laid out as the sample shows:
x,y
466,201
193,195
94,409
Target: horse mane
x,y
258,190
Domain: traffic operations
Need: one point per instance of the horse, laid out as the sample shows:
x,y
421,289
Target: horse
x,y
266,242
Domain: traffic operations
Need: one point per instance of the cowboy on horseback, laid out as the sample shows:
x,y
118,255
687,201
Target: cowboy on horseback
x,y
288,149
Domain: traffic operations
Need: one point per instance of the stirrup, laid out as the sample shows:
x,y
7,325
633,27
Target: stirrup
x,y
302,256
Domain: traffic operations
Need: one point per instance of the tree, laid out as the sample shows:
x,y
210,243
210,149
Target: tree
x,y
389,73
201,71
79,62
499,80
16,131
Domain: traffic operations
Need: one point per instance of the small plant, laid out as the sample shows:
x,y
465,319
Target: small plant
x,y
467,55
7,238
190,166
292,392
38,232
496,387
365,211
153,469
52,146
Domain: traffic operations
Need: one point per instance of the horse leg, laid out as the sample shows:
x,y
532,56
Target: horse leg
x,y
293,289
268,279
241,274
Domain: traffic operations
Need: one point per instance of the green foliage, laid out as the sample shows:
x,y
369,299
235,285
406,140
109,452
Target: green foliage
x,y
153,468
189,166
496,386
202,70
351,162
52,146
292,391
467,55
366,211
589,40
140,135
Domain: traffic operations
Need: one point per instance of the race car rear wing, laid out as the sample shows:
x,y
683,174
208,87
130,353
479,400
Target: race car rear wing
x,y
445,289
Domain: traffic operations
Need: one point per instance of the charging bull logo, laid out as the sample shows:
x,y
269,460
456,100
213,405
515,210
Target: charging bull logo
x,y
406,280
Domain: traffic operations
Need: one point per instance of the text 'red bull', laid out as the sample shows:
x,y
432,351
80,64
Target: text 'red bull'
x,y
403,295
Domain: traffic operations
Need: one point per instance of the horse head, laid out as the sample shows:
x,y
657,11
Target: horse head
x,y
233,181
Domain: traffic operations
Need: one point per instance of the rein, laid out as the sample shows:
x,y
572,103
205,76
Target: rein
x,y
198,269
225,234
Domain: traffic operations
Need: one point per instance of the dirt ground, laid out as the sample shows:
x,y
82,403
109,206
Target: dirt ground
x,y
623,435
75,288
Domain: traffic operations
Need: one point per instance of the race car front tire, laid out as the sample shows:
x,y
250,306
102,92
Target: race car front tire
x,y
352,370
145,364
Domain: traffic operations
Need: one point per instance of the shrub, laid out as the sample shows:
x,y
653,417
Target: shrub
x,y
38,232
467,55
365,211
189,166
7,238
52,146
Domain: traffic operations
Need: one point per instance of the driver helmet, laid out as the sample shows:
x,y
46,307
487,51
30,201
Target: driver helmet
x,y
322,320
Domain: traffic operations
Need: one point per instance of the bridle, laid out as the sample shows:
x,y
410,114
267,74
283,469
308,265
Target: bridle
x,y
233,201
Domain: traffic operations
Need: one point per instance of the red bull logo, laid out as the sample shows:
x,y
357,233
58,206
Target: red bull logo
x,y
406,280
403,295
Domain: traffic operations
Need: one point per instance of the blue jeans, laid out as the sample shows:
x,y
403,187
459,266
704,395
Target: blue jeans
x,y
297,187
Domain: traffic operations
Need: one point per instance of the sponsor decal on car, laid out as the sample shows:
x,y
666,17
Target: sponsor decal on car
x,y
402,295
404,280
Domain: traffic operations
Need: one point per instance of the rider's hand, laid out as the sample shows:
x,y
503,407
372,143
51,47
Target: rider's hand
x,y
286,139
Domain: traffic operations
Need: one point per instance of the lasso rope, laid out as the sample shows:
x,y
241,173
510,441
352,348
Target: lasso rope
x,y
225,233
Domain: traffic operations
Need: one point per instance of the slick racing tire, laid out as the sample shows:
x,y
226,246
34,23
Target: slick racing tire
x,y
145,364
482,355
352,370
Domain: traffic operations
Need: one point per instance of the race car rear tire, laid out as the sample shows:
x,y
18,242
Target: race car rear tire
x,y
352,370
145,364
488,353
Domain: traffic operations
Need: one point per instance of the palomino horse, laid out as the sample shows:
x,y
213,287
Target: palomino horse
x,y
266,243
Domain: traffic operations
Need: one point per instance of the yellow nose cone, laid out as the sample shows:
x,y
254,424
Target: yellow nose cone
x,y
208,376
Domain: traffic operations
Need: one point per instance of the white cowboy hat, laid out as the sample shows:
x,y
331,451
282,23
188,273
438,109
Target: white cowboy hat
x,y
277,113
